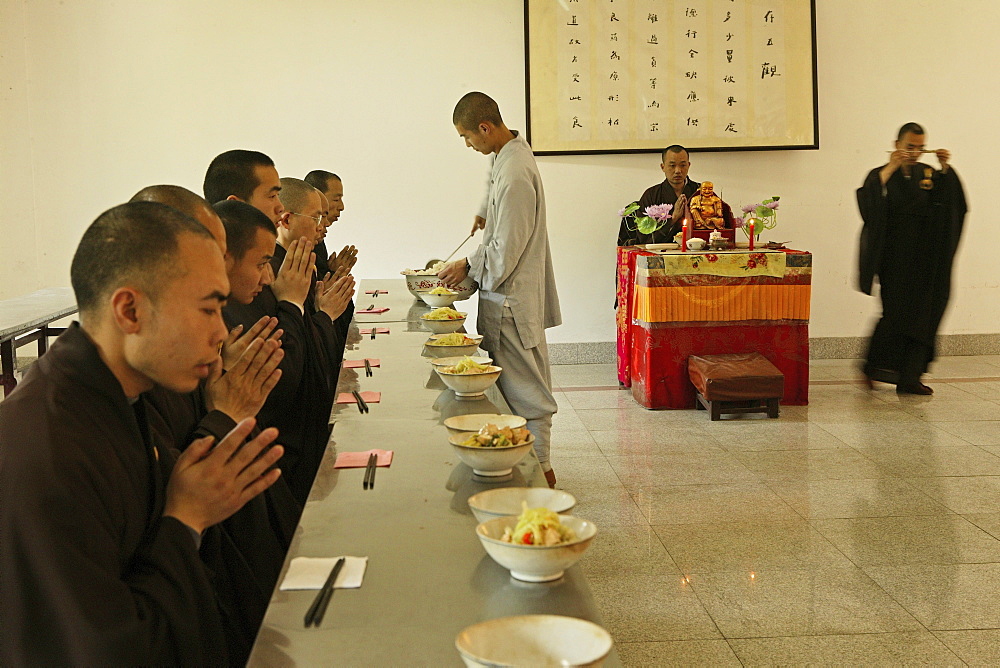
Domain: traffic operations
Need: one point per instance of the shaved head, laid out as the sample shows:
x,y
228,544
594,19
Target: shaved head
x,y
188,203
295,193
475,108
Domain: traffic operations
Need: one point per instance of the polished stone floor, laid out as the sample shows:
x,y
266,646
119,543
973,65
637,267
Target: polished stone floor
x,y
863,529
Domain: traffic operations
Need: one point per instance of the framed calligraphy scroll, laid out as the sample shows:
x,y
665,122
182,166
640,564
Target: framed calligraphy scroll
x,y
632,76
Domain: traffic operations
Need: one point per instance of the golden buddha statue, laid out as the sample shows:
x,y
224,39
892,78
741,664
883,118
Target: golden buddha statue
x,y
706,208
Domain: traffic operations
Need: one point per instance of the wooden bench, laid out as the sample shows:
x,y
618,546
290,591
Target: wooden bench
x,y
26,319
736,383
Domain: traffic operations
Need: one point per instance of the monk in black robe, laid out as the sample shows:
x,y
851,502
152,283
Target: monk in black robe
x,y
913,217
99,525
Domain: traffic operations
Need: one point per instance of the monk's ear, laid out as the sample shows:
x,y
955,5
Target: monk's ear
x,y
128,307
230,261
233,197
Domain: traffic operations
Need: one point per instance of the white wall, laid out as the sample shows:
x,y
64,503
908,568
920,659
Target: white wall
x,y
103,97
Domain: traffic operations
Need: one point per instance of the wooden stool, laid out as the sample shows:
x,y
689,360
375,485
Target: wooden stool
x,y
739,383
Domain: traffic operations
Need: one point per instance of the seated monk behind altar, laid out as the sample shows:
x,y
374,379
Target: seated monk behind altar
x,y
708,211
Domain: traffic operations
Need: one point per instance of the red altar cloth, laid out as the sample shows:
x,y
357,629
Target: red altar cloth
x,y
721,314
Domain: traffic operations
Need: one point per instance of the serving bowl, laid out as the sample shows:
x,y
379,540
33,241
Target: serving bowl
x,y
451,351
437,301
535,563
533,640
469,384
417,283
506,501
474,422
490,462
443,326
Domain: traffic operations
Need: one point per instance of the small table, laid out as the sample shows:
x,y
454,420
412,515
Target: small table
x,y
26,319
675,304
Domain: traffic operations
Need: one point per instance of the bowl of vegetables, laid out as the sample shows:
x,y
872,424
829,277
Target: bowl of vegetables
x,y
533,640
507,501
452,345
538,545
439,296
469,378
492,451
443,320
459,424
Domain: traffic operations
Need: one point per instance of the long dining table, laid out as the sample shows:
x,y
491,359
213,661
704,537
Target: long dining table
x,y
428,576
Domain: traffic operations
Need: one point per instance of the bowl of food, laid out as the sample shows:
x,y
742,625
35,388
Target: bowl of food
x,y
469,378
460,424
439,296
533,640
507,501
443,320
451,345
451,361
493,451
538,545
425,280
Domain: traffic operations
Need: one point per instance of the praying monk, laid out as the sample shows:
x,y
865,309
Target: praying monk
x,y
99,523
247,553
332,188
675,189
913,216
300,403
513,267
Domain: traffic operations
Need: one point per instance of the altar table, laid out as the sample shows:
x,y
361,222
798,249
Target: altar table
x,y
674,304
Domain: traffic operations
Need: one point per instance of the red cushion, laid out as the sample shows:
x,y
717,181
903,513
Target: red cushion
x,y
736,377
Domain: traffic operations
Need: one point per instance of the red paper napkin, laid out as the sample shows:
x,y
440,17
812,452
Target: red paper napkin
x,y
359,460
376,292
369,397
380,330
360,364
381,309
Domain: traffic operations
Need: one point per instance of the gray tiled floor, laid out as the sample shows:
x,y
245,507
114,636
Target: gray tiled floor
x,y
862,529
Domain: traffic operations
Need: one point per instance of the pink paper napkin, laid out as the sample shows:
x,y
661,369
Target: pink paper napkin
x,y
380,330
369,397
381,309
359,460
360,364
376,292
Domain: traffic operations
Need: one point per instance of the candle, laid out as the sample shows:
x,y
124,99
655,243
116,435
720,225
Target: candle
x,y
684,235
751,234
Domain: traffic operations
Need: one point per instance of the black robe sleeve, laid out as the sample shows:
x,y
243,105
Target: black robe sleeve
x,y
874,213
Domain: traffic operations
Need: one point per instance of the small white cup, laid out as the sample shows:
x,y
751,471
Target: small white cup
x,y
694,243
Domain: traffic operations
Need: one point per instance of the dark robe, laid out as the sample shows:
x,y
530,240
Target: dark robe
x,y
91,573
299,405
322,259
908,241
249,553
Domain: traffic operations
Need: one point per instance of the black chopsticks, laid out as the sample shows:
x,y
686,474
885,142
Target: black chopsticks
x,y
373,333
314,616
369,481
368,368
371,308
362,406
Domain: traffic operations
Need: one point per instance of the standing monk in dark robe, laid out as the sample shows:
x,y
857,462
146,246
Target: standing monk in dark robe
x,y
913,217
99,525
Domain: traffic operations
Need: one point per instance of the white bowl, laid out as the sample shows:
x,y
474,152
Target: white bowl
x,y
473,423
417,283
452,361
533,640
469,384
437,301
535,563
490,462
452,351
443,326
506,501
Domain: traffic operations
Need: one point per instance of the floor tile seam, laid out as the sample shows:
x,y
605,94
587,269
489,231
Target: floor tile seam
x,y
934,501
942,380
834,635
949,647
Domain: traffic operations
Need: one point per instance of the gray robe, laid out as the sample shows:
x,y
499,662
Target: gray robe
x,y
514,264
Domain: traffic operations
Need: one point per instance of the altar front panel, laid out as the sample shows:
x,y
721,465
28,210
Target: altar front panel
x,y
675,305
